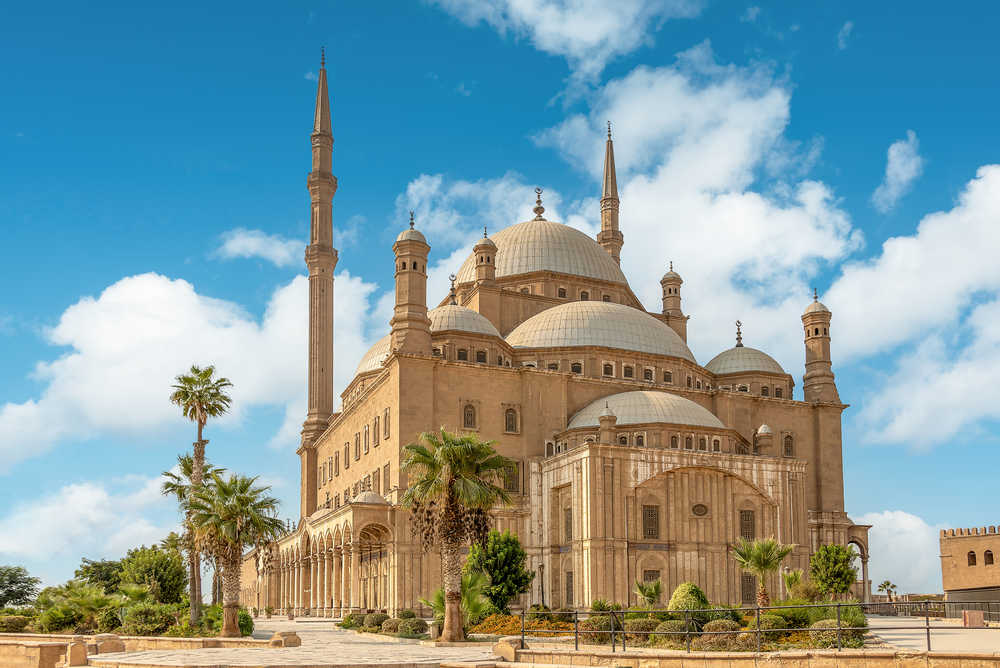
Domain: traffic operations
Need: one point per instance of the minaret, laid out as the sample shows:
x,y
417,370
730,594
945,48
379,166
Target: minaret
x,y
411,328
818,384
610,237
321,258
671,284
486,255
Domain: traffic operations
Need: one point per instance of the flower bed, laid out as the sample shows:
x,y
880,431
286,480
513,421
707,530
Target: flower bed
x,y
509,625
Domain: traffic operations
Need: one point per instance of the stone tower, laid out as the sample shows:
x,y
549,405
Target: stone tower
x,y
610,237
486,256
321,259
818,384
671,284
411,328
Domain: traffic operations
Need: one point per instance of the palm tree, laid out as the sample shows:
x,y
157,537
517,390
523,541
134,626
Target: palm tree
x,y
887,588
179,485
457,480
761,558
200,397
229,515
649,592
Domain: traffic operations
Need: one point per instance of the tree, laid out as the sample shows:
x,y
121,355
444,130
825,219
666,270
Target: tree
x,y
179,485
105,573
761,558
76,603
832,569
887,588
16,586
200,397
502,560
474,586
456,481
229,515
649,592
160,570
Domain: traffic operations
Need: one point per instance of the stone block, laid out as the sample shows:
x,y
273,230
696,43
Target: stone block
x,y
76,653
973,619
285,639
108,642
506,647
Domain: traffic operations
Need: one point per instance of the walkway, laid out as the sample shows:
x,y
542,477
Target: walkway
x,y
323,644
946,635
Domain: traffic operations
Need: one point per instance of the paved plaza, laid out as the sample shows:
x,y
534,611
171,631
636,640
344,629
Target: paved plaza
x,y
323,644
946,635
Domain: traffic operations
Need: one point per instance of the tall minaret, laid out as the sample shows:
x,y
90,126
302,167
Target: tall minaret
x,y
818,383
610,237
321,258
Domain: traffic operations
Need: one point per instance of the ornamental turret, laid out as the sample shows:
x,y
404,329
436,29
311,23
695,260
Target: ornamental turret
x,y
610,237
672,313
818,384
411,328
486,256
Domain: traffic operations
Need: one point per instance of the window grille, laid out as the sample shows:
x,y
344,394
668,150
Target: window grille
x,y
651,521
789,446
385,424
568,524
569,588
748,589
576,367
469,417
747,528
650,576
481,357
668,377
375,432
463,355
628,372
385,477
512,482
510,421
647,374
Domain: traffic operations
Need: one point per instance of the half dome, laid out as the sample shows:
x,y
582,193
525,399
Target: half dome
x,y
743,360
599,324
372,360
454,317
646,406
541,245
369,496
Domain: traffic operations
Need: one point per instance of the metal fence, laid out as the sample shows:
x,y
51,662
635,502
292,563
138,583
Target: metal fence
x,y
617,633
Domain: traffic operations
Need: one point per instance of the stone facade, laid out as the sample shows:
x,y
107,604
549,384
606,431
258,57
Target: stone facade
x,y
633,460
969,571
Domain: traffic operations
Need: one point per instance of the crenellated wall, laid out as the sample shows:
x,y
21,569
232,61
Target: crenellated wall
x,y
969,568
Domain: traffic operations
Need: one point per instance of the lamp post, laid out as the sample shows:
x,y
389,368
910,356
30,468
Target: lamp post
x,y
541,581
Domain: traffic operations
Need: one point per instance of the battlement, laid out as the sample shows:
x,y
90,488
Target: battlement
x,y
974,531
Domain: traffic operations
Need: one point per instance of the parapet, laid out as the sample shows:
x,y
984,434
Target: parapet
x,y
973,531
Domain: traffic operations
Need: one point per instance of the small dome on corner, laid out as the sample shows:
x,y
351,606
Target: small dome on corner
x,y
816,307
764,430
411,235
369,496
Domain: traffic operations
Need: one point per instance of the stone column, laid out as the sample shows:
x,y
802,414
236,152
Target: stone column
x,y
866,590
355,575
327,580
313,563
345,581
324,602
337,581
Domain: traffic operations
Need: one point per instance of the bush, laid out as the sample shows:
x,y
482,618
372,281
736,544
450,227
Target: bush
x,y
718,634
413,627
59,617
795,618
768,622
805,591
375,619
245,622
637,630
13,623
538,612
689,596
723,613
407,614
211,618
147,619
350,621
824,634
392,625
677,627
597,629
109,619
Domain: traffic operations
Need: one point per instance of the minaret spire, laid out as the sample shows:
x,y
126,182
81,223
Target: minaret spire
x,y
321,121
610,237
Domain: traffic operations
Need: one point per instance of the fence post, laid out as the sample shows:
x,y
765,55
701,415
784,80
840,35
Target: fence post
x,y
522,628
623,631
838,625
576,630
687,630
927,624
758,627
612,630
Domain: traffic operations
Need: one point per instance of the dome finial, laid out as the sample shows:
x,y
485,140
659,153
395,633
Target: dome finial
x,y
454,302
539,209
609,129
739,334
322,57
484,231
671,265
411,219
815,295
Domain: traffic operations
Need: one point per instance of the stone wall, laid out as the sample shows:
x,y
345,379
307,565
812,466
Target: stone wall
x,y
963,574
32,654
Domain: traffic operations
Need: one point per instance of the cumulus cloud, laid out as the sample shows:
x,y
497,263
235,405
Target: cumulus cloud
x,y
903,166
243,243
588,33
897,537
126,345
750,15
844,34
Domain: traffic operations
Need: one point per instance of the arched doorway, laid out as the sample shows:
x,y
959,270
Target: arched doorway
x,y
373,545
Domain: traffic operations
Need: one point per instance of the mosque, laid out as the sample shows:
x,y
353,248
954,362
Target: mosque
x,y
633,460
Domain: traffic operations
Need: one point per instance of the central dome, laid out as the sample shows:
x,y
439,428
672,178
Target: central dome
x,y
646,407
599,324
541,245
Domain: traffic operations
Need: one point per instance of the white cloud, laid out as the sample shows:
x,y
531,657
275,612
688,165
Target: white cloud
x,y
243,243
588,33
750,15
311,76
904,549
844,34
463,90
126,346
903,166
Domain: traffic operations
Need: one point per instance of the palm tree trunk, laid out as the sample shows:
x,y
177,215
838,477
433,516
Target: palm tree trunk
x,y
197,473
451,562
763,599
230,598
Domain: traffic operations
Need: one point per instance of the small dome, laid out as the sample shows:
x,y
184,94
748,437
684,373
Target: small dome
x,y
411,234
816,307
454,317
541,245
373,359
646,406
369,496
764,429
487,242
599,324
606,411
743,360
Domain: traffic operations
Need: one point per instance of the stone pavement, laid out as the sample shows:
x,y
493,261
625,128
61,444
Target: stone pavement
x,y
323,644
946,635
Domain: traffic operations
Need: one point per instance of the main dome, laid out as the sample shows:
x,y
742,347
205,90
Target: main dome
x,y
741,360
541,245
588,323
646,406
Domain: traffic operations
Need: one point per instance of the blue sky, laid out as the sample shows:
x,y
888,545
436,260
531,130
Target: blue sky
x,y
154,210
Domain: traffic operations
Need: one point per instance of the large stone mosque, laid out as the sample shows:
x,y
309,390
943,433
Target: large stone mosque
x,y
634,461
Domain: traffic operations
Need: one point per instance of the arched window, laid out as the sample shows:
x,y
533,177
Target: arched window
x,y
778,392
553,366
640,441
789,446
668,377
698,384
647,374
414,265
764,391
703,444
609,370
824,331
623,440
988,558
366,439
673,441
562,293
436,352
481,357
689,381
606,298
469,416
747,525
972,558
510,421
584,296
741,449
817,331
576,367
688,443
402,265
628,372
463,355
525,291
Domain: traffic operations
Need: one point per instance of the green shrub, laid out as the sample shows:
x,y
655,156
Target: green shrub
x,y
350,621
413,627
245,622
211,618
58,618
594,630
824,634
539,612
375,619
392,625
795,618
677,627
768,623
147,619
370,629
109,619
637,630
26,611
600,605
805,591
407,614
689,596
723,613
13,623
718,634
